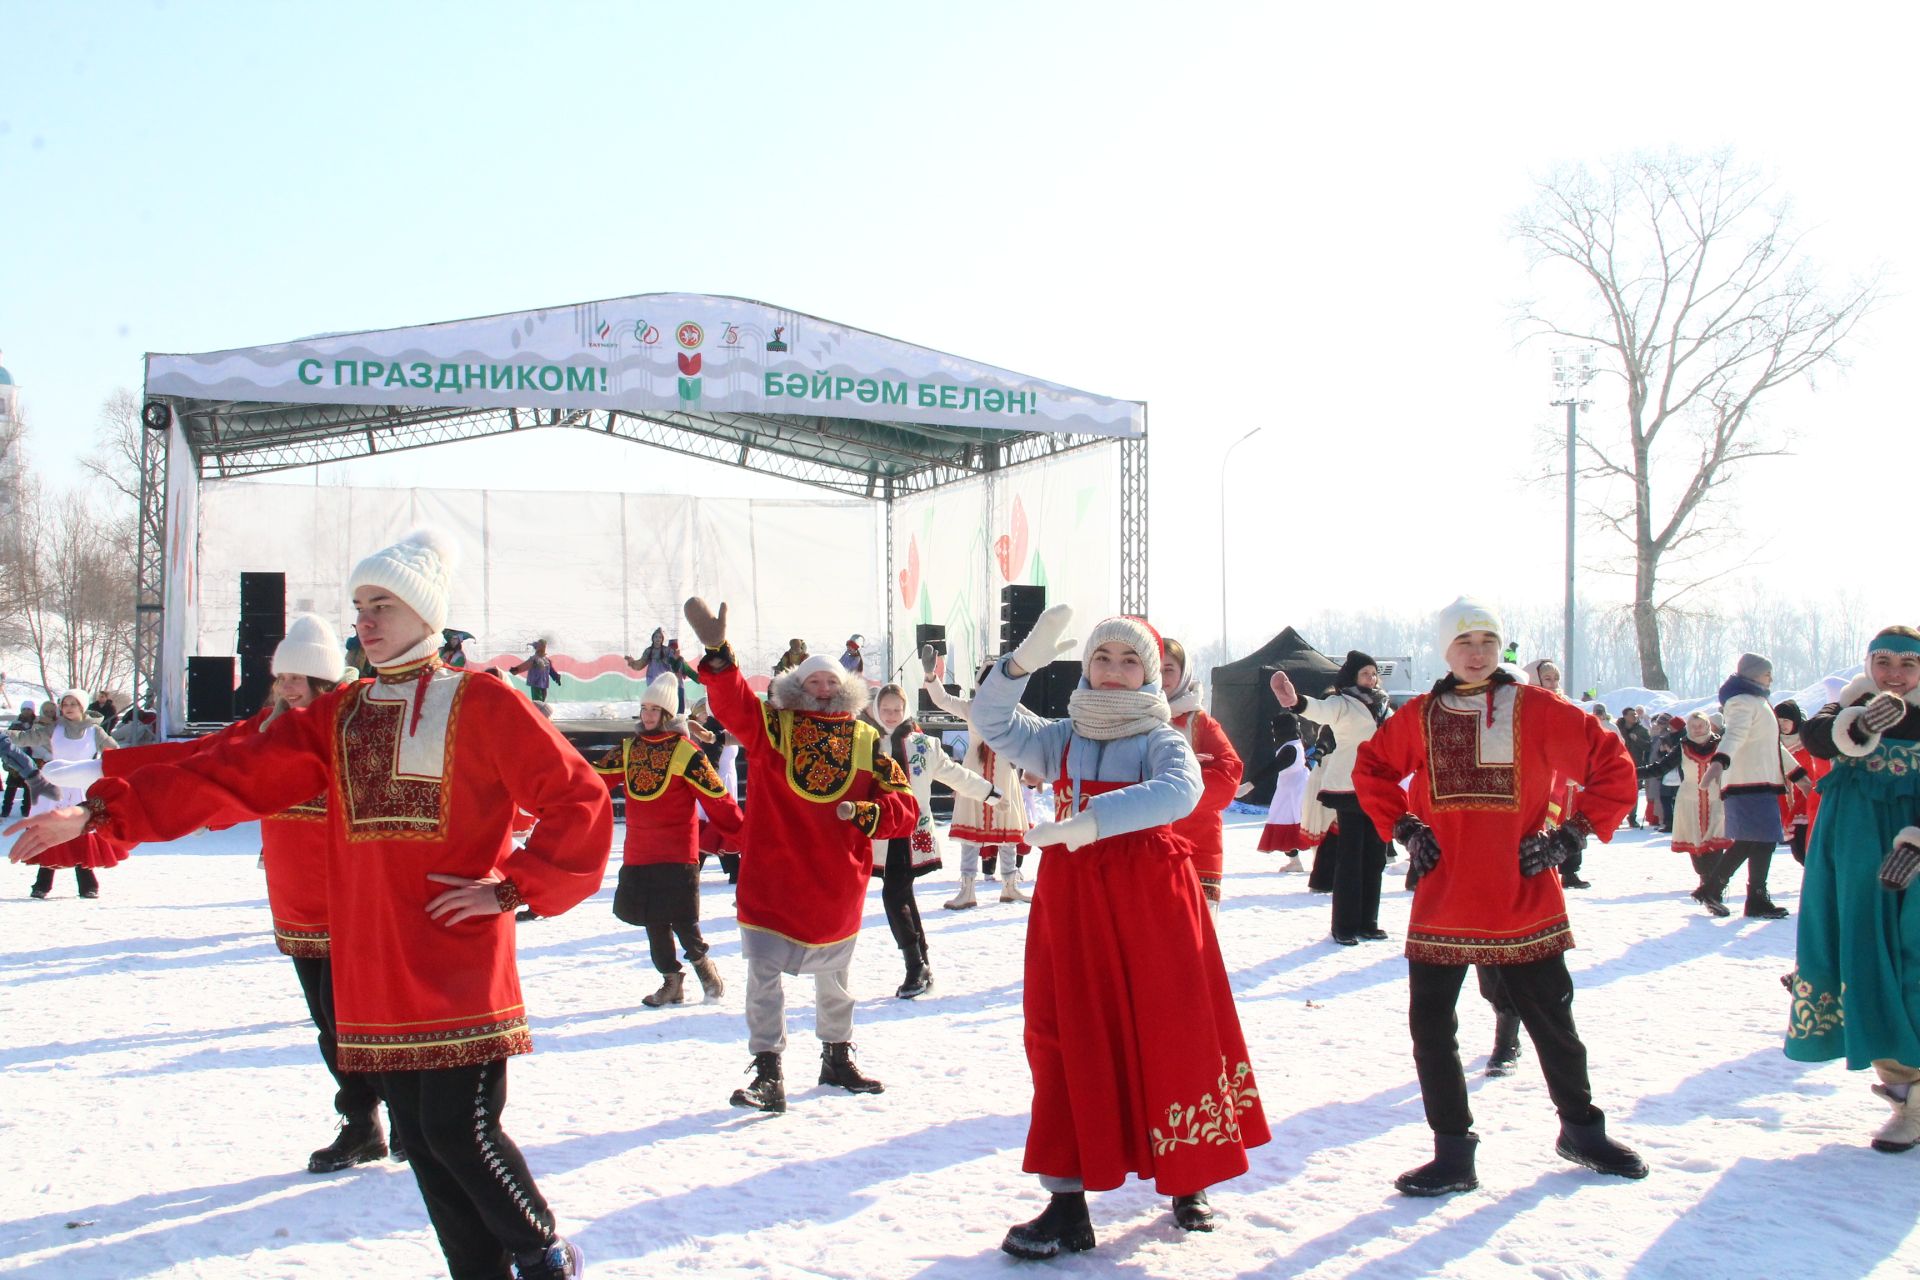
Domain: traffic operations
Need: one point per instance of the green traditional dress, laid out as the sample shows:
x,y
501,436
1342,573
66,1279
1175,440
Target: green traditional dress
x,y
1856,984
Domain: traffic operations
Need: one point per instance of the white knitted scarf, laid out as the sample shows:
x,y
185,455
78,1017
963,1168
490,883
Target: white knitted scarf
x,y
1106,714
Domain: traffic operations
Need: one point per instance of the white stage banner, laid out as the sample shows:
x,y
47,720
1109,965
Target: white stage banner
x,y
592,573
651,353
1053,523
180,596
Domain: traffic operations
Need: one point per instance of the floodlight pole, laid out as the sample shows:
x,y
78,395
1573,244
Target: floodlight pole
x,y
1572,370
1225,648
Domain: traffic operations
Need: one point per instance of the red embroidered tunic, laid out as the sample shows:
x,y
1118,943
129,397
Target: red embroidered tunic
x,y
422,772
667,779
293,843
1483,788
804,874
1203,828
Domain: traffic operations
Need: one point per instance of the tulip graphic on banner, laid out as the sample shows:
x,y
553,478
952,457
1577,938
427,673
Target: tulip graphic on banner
x,y
910,576
690,376
1010,549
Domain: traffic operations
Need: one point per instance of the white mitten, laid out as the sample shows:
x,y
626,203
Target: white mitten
x,y
1076,832
1046,642
77,774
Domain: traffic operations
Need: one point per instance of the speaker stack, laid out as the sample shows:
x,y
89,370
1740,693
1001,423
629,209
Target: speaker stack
x,y
1050,687
263,625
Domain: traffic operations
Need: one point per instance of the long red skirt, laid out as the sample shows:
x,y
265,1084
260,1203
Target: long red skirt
x,y
88,850
1139,1065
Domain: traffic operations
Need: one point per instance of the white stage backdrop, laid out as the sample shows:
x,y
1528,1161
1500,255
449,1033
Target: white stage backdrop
x,y
594,573
1054,524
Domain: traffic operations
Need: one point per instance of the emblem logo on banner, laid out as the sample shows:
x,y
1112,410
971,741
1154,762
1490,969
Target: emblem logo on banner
x,y
690,335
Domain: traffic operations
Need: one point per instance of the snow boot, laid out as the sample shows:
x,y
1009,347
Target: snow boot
x,y
1506,1045
768,1089
672,991
1292,865
1764,908
1010,891
962,900
837,1067
1588,1144
560,1260
360,1141
919,977
42,883
1711,902
1193,1213
1901,1132
709,974
1063,1225
1450,1170
89,883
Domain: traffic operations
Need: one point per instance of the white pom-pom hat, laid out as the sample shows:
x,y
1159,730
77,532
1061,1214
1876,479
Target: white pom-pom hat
x,y
418,570
311,648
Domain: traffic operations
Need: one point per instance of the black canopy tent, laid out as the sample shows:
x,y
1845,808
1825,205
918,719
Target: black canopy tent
x,y
1244,704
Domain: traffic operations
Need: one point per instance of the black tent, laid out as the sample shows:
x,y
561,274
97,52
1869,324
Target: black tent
x,y
1244,705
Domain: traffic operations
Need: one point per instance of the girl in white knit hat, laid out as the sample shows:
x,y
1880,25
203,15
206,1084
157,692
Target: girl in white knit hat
x,y
1139,1066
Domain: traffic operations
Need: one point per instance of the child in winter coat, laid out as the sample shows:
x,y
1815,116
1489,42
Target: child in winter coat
x,y
1856,984
70,739
984,828
902,860
1699,823
1220,771
667,780
1131,1036
1287,769
1485,754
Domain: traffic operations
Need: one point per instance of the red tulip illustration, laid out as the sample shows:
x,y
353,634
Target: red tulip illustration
x,y
910,576
1011,549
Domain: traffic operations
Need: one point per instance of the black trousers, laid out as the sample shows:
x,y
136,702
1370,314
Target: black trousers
x,y
1668,795
83,876
1359,857
1541,993
1798,842
1493,989
483,1203
15,784
1757,854
896,895
356,1093
664,899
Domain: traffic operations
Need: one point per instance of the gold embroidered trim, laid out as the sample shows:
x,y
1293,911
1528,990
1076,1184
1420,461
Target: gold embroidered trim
x,y
1459,778
1814,1015
1210,1121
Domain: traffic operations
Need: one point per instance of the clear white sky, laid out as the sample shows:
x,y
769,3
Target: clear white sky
x,y
1245,215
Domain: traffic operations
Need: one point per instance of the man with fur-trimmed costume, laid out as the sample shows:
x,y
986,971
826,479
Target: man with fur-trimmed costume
x,y
1486,754
667,780
423,769
823,792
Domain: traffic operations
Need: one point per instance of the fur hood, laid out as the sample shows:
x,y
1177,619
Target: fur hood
x,y
785,694
1861,687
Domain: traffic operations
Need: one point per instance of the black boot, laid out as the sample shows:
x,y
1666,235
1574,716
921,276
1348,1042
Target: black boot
x,y
837,1067
1062,1225
360,1141
1707,898
1506,1045
919,977
1450,1170
90,883
1764,908
1588,1144
767,1091
42,882
1193,1213
560,1260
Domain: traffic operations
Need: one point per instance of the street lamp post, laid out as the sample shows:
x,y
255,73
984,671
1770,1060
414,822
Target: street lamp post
x,y
1572,371
1225,648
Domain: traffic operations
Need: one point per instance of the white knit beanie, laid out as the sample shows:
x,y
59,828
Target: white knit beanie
x,y
311,649
1464,615
418,569
815,665
663,693
1132,632
86,699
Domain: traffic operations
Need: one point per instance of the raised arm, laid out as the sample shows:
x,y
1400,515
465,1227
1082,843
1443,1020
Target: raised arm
x,y
942,768
1030,741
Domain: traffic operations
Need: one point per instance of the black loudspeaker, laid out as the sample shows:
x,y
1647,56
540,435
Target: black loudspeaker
x,y
209,690
924,634
1020,608
256,683
1050,688
264,596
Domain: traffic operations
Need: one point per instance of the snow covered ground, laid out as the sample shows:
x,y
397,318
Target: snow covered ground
x,y
159,1092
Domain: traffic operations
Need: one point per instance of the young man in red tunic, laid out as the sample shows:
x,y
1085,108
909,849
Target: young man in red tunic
x,y
667,781
1485,754
423,769
823,791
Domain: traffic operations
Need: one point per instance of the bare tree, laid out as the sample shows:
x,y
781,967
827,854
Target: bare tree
x,y
1693,285
76,608
115,460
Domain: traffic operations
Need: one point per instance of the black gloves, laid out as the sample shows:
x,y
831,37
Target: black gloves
x,y
1423,850
1553,846
1898,867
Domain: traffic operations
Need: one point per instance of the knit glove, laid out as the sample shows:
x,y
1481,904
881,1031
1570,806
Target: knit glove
x,y
1549,848
1423,848
78,774
1898,868
1076,832
1046,642
929,665
706,624
1883,711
